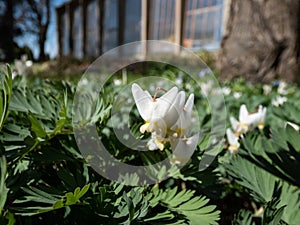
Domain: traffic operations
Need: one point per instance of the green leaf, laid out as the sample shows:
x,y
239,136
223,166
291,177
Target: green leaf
x,y
59,204
71,199
11,218
243,217
273,213
161,217
278,156
5,94
81,192
293,137
185,203
3,188
290,198
289,111
130,206
49,201
260,183
62,115
37,127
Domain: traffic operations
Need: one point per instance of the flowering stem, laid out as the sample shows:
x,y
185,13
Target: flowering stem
x,y
157,90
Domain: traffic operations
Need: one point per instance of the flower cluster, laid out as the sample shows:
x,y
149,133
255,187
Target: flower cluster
x,y
168,119
247,121
279,100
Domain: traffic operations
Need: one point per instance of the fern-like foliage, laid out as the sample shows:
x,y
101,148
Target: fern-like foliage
x,y
46,180
183,205
243,217
273,213
289,111
260,183
49,201
279,155
278,197
5,94
3,188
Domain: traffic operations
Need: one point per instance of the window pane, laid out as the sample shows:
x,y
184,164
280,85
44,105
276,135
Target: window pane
x,y
78,31
110,25
132,21
162,20
92,29
65,34
203,23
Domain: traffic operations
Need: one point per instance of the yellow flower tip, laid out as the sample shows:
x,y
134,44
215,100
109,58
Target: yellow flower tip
x,y
244,126
178,161
176,133
261,125
145,127
237,134
179,131
160,145
233,148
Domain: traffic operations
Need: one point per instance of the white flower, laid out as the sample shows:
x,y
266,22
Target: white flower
x,y
278,101
14,74
206,87
188,86
144,102
237,95
183,148
117,82
185,118
156,142
168,119
28,63
248,121
204,72
260,117
210,88
295,126
179,79
282,88
226,90
169,106
241,126
23,65
267,89
233,141
84,81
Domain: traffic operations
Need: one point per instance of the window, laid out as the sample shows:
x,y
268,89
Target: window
x,y
110,25
162,20
65,24
203,24
92,37
78,32
132,29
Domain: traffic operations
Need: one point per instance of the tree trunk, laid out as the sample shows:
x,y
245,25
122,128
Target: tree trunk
x,y
261,41
42,40
43,28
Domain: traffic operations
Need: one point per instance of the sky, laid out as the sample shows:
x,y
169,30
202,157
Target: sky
x,y
51,43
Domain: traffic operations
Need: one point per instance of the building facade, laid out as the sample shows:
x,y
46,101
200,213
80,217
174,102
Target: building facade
x,y
88,28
